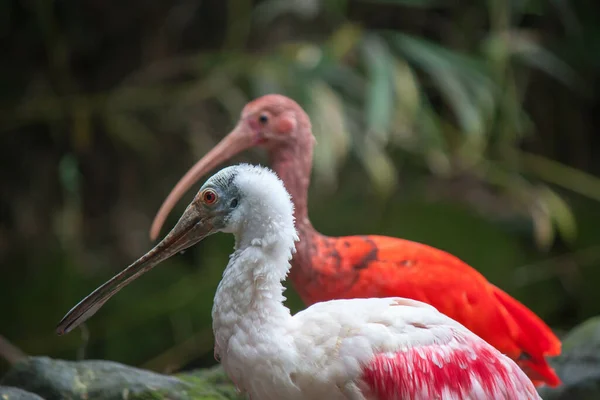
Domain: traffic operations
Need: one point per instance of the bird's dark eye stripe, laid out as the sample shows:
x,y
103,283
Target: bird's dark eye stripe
x,y
234,203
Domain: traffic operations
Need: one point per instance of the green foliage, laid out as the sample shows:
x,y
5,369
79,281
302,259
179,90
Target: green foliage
x,y
390,75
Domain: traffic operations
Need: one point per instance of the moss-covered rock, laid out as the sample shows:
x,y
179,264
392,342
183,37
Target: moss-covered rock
x,y
210,383
579,364
13,393
105,380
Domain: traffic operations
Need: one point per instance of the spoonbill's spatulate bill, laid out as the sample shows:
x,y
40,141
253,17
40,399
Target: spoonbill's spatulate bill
x,y
361,349
327,268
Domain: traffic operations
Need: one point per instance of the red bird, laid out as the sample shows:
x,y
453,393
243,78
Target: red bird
x,y
327,268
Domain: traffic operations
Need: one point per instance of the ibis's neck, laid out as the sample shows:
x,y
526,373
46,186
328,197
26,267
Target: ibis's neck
x,y
293,163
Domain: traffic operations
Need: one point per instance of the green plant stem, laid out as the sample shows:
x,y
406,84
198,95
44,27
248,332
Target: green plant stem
x,y
561,175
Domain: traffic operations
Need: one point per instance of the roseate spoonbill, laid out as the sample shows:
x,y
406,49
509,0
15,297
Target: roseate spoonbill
x,y
376,349
327,268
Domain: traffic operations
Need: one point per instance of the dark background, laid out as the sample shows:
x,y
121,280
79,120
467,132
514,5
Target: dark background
x,y
470,126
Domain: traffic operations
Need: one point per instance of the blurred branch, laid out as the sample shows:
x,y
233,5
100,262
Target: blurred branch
x,y
562,175
131,99
138,94
85,339
550,268
10,352
174,358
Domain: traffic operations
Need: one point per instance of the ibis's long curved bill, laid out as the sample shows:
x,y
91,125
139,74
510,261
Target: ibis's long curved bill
x,y
238,140
192,227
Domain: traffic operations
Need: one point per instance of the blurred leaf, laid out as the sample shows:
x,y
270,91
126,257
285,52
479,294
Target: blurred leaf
x,y
408,100
432,144
379,166
562,175
343,40
309,56
346,81
542,224
561,214
379,101
455,74
327,117
548,210
525,48
267,11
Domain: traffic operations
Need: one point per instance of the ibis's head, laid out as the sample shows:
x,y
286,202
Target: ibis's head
x,y
237,199
273,121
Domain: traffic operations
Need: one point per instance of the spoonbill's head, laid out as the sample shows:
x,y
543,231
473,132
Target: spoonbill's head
x,y
238,199
273,121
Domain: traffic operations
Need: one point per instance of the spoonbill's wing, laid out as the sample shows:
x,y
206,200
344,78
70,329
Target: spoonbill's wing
x,y
397,348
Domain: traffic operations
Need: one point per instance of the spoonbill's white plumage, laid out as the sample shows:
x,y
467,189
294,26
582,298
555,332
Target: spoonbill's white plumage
x,y
361,349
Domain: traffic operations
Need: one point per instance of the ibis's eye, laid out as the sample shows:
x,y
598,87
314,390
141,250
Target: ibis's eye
x,y
263,119
209,197
233,203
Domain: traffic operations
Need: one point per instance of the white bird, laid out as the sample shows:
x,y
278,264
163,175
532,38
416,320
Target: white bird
x,y
360,349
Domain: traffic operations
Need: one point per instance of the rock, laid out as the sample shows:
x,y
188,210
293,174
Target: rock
x,y
13,393
579,364
105,380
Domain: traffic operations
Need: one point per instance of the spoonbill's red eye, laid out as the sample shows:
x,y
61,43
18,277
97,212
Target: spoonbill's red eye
x,y
209,196
263,119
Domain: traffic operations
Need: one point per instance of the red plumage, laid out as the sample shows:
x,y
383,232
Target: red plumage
x,y
326,268
466,370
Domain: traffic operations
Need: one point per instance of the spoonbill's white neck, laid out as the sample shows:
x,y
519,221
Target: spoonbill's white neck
x,y
251,288
248,311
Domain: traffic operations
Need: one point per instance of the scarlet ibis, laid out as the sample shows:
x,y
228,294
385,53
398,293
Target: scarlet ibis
x,y
327,268
376,349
